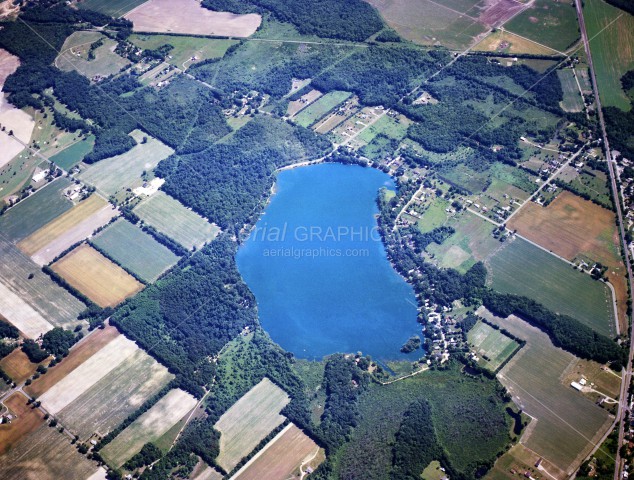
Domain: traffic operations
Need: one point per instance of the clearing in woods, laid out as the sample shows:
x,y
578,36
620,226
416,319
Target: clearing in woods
x,y
95,276
80,352
321,107
25,279
491,345
185,48
568,424
135,250
70,387
549,22
612,49
115,396
26,419
35,211
76,55
112,8
282,457
71,156
572,101
248,421
149,427
46,454
54,232
18,366
171,218
117,173
523,269
575,228
189,17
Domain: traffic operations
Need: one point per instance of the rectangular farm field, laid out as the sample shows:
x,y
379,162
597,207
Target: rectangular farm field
x,y
491,345
95,276
282,457
171,218
135,250
149,427
71,156
321,107
112,8
572,101
35,211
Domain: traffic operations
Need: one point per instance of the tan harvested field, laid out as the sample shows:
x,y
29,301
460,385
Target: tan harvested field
x,y
565,424
27,419
75,52
69,228
96,277
507,42
69,388
21,314
205,472
26,280
46,454
281,458
149,426
115,396
8,64
100,474
248,421
187,16
576,228
78,355
18,366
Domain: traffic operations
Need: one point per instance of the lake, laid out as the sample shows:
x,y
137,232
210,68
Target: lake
x,y
319,271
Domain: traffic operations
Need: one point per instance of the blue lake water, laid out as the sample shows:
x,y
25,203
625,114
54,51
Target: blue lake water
x,y
318,268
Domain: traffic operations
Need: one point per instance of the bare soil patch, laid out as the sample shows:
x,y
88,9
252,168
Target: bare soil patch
x,y
18,366
78,355
26,419
282,457
187,16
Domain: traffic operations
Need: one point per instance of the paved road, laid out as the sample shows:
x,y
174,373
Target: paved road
x,y
627,374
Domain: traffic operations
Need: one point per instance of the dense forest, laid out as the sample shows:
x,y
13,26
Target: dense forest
x,y
228,181
350,20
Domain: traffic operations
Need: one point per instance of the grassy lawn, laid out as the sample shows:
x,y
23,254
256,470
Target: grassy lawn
x,y
135,250
395,128
612,49
435,216
75,55
524,269
572,101
491,345
548,22
71,156
184,47
321,107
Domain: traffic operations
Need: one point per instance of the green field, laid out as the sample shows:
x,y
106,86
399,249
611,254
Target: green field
x,y
321,107
548,22
71,156
524,269
472,242
117,173
112,8
395,128
104,63
34,212
435,216
170,217
135,250
612,46
491,345
568,424
572,101
184,47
